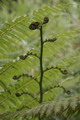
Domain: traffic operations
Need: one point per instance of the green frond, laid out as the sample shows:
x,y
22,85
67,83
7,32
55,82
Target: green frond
x,y
65,106
19,68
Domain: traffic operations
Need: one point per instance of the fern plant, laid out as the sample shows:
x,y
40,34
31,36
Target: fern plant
x,y
28,80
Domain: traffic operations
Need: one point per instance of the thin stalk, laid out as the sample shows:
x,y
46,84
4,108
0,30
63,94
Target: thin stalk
x,y
41,66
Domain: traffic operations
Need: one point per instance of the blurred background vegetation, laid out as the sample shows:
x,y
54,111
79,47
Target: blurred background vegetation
x,y
69,20
10,9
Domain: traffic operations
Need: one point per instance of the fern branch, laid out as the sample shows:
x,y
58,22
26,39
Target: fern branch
x,y
50,40
28,93
23,57
56,86
26,75
62,71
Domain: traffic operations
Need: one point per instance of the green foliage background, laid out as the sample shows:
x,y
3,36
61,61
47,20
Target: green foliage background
x,y
17,39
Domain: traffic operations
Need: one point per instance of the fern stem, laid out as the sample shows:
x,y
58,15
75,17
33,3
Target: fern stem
x,y
41,65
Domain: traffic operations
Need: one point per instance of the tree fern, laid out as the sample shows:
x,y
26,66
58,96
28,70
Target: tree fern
x,y
20,69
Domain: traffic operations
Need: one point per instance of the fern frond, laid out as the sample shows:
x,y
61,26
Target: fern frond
x,y
65,106
16,39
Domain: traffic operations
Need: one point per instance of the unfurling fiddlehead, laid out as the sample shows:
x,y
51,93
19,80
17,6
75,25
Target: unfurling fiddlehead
x,y
34,26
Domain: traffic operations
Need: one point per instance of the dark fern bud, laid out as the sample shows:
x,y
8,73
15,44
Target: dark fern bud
x,y
17,94
15,77
46,20
65,71
34,25
58,85
52,40
68,92
23,57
